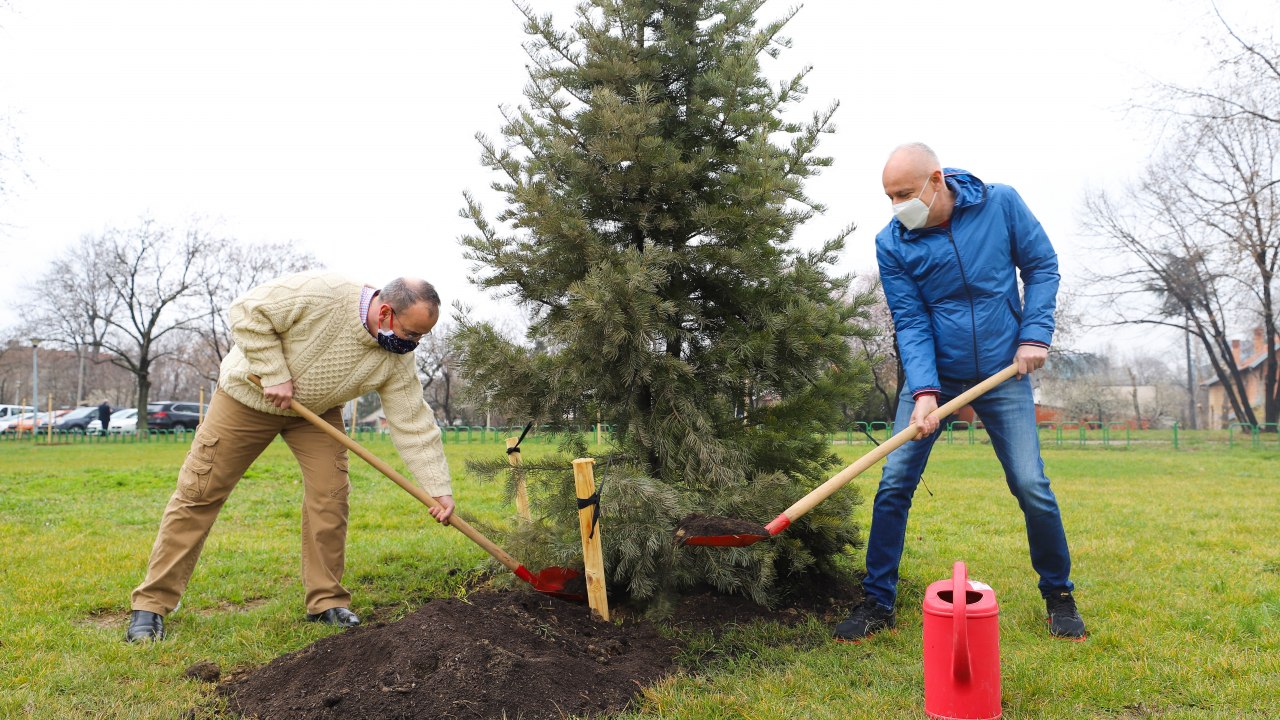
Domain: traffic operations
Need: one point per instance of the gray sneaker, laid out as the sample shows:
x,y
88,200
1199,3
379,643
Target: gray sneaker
x,y
866,618
1064,618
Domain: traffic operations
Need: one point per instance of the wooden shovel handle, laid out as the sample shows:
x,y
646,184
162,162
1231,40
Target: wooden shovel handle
x,y
410,487
839,480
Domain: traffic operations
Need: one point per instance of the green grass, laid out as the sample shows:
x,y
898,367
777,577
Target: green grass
x,y
1176,565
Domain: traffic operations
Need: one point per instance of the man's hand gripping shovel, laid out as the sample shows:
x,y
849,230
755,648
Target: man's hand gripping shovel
x,y
551,581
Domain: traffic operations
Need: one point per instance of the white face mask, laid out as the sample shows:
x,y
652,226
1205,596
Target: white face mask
x,y
914,213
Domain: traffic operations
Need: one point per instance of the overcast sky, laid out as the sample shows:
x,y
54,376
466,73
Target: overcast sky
x,y
347,128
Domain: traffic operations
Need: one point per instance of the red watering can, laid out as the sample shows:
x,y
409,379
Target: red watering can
x,y
961,649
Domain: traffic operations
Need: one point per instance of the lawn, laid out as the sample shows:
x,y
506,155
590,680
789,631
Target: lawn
x,y
1176,565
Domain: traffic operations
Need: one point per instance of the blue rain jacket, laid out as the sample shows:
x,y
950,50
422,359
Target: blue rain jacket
x,y
953,289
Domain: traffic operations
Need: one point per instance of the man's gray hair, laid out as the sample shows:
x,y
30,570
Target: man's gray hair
x,y
920,148
403,293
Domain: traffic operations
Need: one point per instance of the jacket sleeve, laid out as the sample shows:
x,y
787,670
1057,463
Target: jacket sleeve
x,y
1038,264
910,321
413,429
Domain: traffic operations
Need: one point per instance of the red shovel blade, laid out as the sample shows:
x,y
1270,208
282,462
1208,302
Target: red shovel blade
x,y
556,582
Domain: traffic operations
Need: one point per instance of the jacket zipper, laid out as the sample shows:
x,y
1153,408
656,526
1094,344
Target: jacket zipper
x,y
973,310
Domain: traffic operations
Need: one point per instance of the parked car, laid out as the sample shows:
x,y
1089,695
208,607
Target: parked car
x,y
40,423
9,423
10,412
174,415
76,421
121,421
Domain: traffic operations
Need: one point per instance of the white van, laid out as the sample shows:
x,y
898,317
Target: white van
x,y
10,414
9,411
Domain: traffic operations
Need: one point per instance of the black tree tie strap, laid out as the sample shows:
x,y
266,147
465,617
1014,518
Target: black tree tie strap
x,y
584,503
871,437
516,448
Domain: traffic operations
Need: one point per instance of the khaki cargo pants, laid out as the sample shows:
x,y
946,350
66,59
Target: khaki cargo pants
x,y
231,437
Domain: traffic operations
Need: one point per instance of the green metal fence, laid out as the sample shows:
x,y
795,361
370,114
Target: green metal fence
x,y
1088,434
1079,434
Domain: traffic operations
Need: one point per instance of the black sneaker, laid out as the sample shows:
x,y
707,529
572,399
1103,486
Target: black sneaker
x,y
1064,618
868,617
340,616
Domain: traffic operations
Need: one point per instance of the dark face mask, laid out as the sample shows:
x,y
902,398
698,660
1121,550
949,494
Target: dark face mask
x,y
394,343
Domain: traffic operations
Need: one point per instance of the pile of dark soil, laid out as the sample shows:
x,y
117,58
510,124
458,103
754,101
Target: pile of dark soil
x,y
698,525
517,654
526,655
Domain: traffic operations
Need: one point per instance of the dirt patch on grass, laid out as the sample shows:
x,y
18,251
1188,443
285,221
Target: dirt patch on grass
x,y
109,619
698,526
226,606
516,654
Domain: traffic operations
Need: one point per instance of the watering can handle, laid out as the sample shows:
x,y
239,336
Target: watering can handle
x,y
959,622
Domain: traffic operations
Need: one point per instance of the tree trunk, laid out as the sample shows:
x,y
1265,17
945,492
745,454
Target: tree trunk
x,y
80,375
1133,392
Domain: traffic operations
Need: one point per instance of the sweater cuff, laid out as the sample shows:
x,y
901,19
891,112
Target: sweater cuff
x,y
437,487
1034,343
926,391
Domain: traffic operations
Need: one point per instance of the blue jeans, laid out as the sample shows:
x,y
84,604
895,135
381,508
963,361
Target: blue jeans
x,y
1009,415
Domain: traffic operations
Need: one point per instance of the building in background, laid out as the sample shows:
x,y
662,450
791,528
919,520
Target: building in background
x,y
1250,359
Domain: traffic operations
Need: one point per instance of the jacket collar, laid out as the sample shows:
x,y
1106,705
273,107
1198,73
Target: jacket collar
x,y
969,191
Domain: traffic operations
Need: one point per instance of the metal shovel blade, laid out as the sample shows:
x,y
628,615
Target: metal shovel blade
x,y
559,582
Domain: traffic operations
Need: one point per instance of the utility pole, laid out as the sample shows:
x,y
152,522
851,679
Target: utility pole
x,y
1191,388
35,375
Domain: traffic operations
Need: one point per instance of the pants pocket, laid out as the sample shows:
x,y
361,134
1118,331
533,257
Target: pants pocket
x,y
342,465
193,478
205,445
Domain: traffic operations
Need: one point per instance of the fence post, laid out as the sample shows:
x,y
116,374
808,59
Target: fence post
x,y
1175,434
589,526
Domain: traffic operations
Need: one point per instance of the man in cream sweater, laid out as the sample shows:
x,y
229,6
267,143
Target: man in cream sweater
x,y
322,340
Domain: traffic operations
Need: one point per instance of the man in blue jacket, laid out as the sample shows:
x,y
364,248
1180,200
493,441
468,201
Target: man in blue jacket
x,y
949,262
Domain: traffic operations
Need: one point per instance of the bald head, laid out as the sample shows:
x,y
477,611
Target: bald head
x,y
913,171
403,292
913,161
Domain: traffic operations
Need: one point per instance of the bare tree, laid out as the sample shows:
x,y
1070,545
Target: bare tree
x,y
239,268
153,277
439,372
878,350
1200,232
72,303
1080,384
1247,80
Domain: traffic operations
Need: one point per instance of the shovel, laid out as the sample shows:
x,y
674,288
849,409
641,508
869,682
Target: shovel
x,y
730,532
552,580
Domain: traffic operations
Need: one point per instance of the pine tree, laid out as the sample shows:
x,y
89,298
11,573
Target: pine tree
x,y
653,188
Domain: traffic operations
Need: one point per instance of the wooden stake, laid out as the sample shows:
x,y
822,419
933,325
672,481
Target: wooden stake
x,y
592,555
522,492
200,408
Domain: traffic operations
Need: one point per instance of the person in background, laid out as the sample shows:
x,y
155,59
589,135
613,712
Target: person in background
x,y
322,340
104,415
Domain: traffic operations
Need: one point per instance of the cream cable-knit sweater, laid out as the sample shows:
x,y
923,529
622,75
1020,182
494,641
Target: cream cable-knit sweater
x,y
306,327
